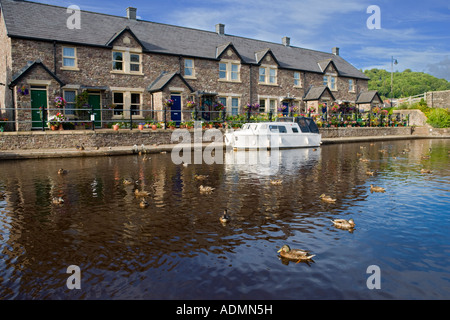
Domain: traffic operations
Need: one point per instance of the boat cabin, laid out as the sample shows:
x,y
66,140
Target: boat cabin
x,y
307,125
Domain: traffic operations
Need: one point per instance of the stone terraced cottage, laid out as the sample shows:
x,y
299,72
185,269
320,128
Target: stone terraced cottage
x,y
125,67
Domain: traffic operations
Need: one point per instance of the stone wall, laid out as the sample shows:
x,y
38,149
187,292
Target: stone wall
x,y
438,99
5,71
123,137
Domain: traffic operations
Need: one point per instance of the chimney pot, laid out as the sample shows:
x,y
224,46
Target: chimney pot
x,y
131,13
220,28
286,41
335,51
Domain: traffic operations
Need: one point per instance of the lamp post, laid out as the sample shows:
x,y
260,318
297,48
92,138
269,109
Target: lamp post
x,y
393,61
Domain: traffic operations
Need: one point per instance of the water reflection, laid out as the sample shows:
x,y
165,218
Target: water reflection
x,y
177,247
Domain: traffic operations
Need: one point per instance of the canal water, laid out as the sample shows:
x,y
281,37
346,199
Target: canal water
x,y
176,248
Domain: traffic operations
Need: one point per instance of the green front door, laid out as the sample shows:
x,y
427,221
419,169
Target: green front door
x,y
38,108
94,102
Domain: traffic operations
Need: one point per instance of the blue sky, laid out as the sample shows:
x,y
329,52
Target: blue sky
x,y
415,33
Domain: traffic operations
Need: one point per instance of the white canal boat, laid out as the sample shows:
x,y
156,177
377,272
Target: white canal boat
x,y
287,132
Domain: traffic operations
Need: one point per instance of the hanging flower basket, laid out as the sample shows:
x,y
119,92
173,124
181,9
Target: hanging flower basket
x,y
60,102
190,104
218,106
168,103
23,91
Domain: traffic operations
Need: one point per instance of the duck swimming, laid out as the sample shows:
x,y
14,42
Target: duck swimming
x,y
376,189
204,189
325,198
225,217
295,254
62,171
144,204
344,224
141,193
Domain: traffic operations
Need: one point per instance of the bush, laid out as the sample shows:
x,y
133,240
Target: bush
x,y
439,118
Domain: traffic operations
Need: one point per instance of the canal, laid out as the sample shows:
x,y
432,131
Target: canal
x,y
176,247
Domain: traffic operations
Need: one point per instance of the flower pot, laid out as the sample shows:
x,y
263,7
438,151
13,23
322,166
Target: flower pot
x,y
116,127
141,127
54,128
154,127
61,127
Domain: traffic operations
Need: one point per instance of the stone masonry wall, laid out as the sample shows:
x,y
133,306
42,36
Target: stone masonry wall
x,y
5,71
438,99
10,141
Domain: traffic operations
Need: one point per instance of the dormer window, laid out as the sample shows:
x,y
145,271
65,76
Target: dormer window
x,y
268,75
189,71
126,62
230,71
330,81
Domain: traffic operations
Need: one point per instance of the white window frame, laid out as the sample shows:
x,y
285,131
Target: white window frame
x,y
329,80
351,85
126,62
191,68
66,107
74,58
268,75
230,74
297,79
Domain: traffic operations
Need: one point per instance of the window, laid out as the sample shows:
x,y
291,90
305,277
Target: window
x,y
234,106
272,104
135,104
126,62
229,71
330,81
262,105
69,96
297,81
262,75
118,102
294,130
268,75
222,71
135,63
351,86
69,58
189,68
118,61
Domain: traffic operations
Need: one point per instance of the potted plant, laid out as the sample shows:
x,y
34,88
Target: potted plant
x,y
168,103
154,125
171,124
116,126
55,122
190,104
141,126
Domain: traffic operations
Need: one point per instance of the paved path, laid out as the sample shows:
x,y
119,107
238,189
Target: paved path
x,y
129,150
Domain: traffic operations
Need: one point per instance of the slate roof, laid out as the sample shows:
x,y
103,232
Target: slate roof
x,y
315,93
30,66
25,19
164,79
368,97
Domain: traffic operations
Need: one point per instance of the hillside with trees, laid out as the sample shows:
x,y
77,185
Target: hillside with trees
x,y
406,83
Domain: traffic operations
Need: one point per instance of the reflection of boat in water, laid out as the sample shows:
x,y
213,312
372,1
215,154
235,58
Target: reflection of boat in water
x,y
287,132
272,162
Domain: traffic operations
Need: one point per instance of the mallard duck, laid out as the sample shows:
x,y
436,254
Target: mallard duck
x,y
58,200
200,177
343,224
204,189
143,204
141,193
80,148
376,189
325,198
145,158
295,254
276,182
225,217
426,171
62,171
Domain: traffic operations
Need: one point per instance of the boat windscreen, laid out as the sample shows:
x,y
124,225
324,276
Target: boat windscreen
x,y
307,125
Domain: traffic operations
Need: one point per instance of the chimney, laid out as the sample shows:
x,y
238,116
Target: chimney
x,y
131,13
220,29
286,41
335,51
